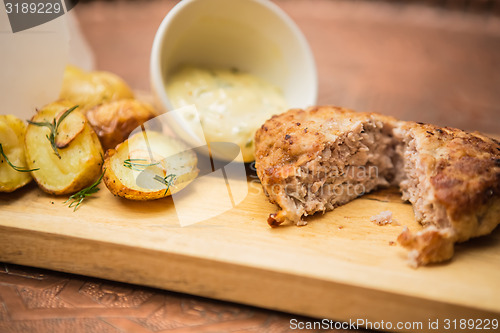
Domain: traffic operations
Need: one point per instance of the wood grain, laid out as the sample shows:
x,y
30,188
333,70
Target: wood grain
x,y
339,266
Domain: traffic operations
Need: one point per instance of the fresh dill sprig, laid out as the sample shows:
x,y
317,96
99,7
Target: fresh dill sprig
x,y
54,126
77,198
168,180
132,164
12,165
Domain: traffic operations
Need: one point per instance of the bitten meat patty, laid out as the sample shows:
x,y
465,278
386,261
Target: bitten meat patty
x,y
317,159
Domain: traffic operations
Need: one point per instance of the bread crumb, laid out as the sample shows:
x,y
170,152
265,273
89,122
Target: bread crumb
x,y
413,261
383,218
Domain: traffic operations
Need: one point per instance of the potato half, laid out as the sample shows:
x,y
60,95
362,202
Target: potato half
x,y
141,167
80,161
12,132
114,121
88,89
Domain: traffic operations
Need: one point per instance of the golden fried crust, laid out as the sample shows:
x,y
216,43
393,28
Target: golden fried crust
x,y
297,136
427,246
464,172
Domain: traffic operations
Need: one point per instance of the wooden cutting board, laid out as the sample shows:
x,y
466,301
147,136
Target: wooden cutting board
x,y
340,266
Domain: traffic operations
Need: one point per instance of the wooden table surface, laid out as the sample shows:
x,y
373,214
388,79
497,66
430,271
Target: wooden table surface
x,y
421,63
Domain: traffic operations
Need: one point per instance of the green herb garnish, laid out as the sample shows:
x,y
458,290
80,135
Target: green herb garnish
x,y
77,198
168,180
53,128
133,164
12,165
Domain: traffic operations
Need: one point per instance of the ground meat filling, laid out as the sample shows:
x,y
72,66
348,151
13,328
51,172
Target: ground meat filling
x,y
356,163
416,188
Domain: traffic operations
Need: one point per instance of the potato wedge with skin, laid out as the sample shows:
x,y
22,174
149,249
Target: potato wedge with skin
x,y
12,131
81,158
88,89
136,168
69,128
114,121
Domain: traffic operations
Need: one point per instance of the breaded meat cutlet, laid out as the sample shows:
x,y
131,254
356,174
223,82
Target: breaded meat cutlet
x,y
452,179
317,159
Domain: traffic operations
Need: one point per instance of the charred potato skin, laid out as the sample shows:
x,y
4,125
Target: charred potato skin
x,y
81,160
114,121
89,89
12,132
113,166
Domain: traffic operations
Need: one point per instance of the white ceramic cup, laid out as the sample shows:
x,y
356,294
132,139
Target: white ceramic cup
x,y
254,36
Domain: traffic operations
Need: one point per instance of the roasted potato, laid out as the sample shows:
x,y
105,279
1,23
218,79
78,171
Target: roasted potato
x,y
69,156
149,165
88,89
114,121
12,132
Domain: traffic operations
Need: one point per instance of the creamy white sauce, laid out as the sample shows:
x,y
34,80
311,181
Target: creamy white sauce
x,y
231,104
